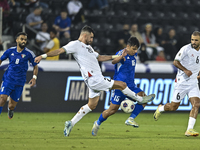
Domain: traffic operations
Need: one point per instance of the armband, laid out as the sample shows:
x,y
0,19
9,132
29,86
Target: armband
x,y
114,56
44,55
35,77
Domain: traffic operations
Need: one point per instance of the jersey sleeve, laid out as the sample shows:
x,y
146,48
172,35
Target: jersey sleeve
x,y
70,47
5,55
32,58
181,54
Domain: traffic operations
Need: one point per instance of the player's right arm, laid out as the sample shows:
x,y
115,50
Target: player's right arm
x,y
181,67
50,54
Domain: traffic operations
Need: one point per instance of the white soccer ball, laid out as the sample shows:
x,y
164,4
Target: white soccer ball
x,y
127,106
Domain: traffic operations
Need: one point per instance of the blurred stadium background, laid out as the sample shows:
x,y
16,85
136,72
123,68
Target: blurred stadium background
x,y
54,78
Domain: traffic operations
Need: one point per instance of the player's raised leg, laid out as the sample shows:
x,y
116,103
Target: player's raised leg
x,y
126,91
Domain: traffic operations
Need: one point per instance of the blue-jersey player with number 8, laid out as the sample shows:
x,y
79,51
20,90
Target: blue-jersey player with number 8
x,y
124,71
14,77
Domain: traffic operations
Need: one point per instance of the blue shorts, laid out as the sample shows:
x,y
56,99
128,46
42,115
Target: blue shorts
x,y
14,91
118,96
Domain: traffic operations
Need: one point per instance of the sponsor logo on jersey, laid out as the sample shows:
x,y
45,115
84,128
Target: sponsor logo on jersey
x,y
23,55
12,54
192,55
89,50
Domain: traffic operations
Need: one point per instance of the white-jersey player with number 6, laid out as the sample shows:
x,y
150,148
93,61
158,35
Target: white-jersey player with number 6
x,y
187,61
87,60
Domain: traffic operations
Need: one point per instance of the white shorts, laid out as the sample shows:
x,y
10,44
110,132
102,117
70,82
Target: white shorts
x,y
180,91
98,84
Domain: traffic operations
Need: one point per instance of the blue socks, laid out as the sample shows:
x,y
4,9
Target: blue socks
x,y
1,108
100,120
137,110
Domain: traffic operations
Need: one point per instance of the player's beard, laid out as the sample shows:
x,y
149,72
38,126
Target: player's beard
x,y
22,46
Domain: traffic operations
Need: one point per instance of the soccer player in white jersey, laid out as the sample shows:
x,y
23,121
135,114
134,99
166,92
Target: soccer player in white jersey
x,y
87,60
187,61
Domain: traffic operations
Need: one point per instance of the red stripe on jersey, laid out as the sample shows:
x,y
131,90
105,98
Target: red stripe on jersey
x,y
89,75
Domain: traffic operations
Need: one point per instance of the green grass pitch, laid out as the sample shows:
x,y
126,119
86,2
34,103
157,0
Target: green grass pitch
x,y
44,131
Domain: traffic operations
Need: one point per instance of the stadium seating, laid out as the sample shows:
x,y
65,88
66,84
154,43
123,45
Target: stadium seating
x,y
181,15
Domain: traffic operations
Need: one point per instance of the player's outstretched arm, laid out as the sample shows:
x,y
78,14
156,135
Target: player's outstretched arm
x,y
49,54
104,57
32,82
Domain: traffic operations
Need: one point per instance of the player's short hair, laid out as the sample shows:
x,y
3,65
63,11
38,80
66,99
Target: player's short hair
x,y
196,33
53,30
133,41
87,28
21,33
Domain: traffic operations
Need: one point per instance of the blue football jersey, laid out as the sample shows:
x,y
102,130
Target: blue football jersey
x,y
125,70
18,65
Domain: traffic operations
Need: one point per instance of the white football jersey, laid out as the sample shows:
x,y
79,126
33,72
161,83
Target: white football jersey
x,y
190,59
86,58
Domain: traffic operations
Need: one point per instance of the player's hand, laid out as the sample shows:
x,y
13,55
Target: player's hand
x,y
188,72
32,82
38,59
124,53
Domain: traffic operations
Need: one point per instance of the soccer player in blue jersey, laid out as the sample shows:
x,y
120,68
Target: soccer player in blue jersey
x,y
14,77
124,71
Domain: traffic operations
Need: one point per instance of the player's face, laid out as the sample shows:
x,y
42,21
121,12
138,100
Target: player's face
x,y
131,50
195,41
89,38
21,41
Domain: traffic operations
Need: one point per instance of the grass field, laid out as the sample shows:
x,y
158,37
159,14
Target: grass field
x,y
44,131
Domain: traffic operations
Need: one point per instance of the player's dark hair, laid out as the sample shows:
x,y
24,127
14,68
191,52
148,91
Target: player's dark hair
x,y
53,30
196,33
21,33
87,28
133,41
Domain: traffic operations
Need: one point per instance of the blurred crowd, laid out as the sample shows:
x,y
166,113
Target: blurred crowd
x,y
156,44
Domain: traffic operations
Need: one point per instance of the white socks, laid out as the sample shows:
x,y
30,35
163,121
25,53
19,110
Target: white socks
x,y
161,108
80,114
132,94
191,123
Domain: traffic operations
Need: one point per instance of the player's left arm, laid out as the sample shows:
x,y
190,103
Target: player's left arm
x,y
32,82
104,57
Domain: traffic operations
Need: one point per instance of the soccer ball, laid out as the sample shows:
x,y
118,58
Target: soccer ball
x,y
127,106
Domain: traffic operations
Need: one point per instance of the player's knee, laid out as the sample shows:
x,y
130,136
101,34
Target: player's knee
x,y
3,100
92,106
